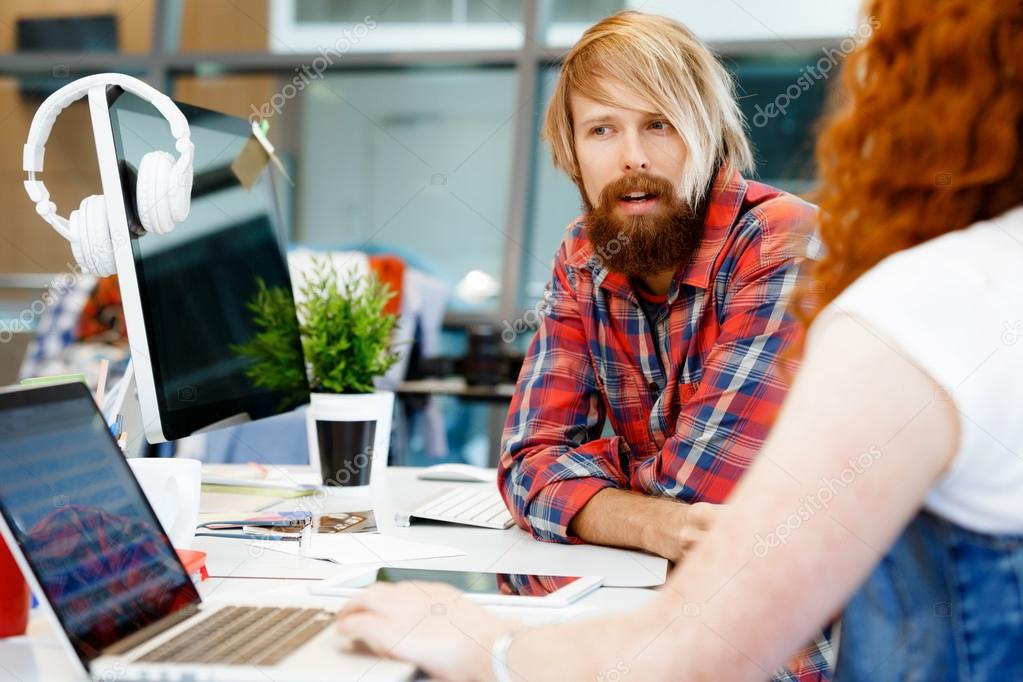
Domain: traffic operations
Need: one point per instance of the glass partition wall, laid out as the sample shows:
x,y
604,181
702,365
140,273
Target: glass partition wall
x,y
408,126
412,126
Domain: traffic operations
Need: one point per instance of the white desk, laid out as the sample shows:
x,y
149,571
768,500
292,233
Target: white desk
x,y
239,573
505,551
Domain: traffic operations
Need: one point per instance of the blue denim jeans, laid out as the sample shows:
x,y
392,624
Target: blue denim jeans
x,y
944,604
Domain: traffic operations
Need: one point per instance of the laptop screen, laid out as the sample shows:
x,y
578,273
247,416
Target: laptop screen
x,y
74,508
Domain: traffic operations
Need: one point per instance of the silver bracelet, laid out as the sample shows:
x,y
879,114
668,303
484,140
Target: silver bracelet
x,y
499,655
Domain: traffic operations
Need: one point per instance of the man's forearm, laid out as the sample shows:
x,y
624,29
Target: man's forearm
x,y
621,518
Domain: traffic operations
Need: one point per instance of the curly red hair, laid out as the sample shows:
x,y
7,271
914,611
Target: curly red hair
x,y
925,137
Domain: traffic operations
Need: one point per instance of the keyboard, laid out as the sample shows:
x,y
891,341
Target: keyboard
x,y
465,505
243,635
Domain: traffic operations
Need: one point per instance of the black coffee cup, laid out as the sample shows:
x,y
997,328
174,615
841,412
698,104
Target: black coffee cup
x,y
346,451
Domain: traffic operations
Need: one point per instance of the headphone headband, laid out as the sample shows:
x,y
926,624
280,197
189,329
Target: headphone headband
x,y
42,122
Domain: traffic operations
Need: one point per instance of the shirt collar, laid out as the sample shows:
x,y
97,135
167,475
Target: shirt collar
x,y
726,196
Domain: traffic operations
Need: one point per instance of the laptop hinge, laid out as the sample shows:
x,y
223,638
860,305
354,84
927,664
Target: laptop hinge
x,y
152,630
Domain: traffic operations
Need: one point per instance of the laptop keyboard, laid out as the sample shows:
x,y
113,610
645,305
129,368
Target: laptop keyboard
x,y
243,635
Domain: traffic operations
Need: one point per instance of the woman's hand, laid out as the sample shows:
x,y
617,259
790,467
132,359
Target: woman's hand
x,y
429,624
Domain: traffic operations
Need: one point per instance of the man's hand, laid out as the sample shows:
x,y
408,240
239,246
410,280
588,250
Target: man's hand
x,y
699,518
659,525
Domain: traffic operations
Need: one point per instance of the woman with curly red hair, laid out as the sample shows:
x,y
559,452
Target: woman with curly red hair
x,y
892,483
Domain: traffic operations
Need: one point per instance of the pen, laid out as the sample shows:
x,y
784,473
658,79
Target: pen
x,y
270,523
250,536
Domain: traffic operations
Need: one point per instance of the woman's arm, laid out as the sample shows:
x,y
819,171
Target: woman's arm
x,y
863,436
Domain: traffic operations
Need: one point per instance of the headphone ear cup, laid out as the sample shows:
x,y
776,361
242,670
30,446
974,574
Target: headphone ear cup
x,y
180,190
96,245
100,239
75,228
153,192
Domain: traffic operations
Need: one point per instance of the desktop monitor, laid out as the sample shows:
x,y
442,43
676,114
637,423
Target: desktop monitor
x,y
186,294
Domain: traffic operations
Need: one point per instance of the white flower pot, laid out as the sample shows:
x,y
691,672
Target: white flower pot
x,y
349,437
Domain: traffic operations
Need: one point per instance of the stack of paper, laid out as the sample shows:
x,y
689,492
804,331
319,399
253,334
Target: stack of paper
x,y
255,480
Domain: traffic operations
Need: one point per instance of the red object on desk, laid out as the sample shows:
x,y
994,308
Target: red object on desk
x,y
15,597
195,563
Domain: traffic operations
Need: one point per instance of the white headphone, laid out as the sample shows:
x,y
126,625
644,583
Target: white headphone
x,y
164,188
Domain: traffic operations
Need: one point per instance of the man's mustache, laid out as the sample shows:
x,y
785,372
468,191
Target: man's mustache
x,y
644,183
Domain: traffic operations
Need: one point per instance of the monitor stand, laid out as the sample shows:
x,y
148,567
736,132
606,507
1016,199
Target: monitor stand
x,y
122,399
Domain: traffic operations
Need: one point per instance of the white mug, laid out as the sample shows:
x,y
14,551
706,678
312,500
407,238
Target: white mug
x,y
172,487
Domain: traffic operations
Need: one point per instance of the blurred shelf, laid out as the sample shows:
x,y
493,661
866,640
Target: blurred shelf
x,y
456,386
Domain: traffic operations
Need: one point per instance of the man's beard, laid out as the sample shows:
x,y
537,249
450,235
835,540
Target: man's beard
x,y
636,245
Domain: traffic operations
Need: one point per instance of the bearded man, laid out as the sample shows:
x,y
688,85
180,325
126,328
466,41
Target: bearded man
x,y
667,309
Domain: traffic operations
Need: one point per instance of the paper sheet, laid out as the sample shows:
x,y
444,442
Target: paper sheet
x,y
263,477
362,548
218,503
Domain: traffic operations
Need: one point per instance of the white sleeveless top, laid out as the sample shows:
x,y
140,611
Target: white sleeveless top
x,y
954,305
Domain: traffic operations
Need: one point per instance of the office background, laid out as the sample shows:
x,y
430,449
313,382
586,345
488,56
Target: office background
x,y
409,126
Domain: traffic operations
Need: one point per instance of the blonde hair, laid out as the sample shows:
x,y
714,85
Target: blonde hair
x,y
673,70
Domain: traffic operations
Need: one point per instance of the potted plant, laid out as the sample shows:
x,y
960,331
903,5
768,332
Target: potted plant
x,y
346,341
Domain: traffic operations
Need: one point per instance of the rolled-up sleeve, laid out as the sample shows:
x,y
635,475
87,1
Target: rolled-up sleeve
x,y
553,459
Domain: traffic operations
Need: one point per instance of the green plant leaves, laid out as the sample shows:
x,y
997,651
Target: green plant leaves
x,y
346,336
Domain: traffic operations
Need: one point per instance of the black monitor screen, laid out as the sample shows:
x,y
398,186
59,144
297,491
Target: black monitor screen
x,y
196,282
81,520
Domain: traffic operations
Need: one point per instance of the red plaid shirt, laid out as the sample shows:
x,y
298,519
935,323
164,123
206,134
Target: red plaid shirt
x,y
690,406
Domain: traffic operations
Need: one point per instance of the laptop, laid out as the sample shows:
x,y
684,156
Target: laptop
x,y
94,553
